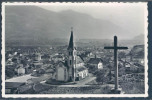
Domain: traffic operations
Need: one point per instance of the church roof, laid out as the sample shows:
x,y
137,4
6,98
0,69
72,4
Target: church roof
x,y
80,68
95,60
62,63
79,60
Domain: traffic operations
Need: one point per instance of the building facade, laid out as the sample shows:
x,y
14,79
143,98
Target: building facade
x,y
73,68
96,62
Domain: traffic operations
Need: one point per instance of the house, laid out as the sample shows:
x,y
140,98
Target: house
x,y
81,72
140,67
28,69
15,53
9,62
127,66
138,60
57,58
46,57
20,69
16,60
37,64
36,57
131,67
134,68
73,68
96,62
86,56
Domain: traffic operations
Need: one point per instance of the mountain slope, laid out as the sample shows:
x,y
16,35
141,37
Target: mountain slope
x,y
34,23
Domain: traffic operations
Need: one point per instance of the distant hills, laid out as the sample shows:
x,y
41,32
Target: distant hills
x,y
138,51
31,24
139,37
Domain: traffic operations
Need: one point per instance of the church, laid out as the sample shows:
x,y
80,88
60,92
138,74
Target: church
x,y
73,68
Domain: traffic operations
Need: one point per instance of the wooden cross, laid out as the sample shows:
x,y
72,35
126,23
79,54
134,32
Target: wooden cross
x,y
115,47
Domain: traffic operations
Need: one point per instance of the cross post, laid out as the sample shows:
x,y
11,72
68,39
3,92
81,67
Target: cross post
x,y
116,48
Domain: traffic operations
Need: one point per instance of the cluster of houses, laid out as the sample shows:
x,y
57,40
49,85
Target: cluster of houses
x,y
66,68
74,68
25,64
61,67
133,62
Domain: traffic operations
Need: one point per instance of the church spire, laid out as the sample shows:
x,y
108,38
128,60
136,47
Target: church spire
x,y
71,44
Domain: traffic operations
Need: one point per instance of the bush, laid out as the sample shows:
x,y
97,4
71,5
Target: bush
x,y
9,73
102,77
133,87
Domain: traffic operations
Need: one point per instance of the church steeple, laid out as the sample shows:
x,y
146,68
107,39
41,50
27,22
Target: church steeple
x,y
71,58
71,44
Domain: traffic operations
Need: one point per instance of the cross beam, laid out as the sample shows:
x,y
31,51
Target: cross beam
x,y
115,47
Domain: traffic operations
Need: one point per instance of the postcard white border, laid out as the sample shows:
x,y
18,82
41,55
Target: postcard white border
x,y
68,95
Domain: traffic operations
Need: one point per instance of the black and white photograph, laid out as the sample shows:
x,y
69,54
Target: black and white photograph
x,y
74,49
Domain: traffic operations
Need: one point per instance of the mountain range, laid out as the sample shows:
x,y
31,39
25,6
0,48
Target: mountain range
x,y
32,23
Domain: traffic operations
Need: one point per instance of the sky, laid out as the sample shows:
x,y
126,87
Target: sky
x,y
118,13
129,18
99,10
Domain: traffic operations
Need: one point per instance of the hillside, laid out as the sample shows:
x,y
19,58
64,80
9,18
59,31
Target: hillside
x,y
31,22
138,51
31,25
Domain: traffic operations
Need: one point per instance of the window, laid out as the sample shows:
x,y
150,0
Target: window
x,y
70,62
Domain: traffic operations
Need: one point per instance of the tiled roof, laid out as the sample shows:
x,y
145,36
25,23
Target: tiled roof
x,y
95,60
80,68
79,60
65,64
85,54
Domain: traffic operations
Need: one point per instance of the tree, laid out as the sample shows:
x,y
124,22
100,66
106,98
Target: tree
x,y
102,76
121,55
110,75
9,73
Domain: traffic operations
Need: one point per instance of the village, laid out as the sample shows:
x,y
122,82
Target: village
x,y
69,69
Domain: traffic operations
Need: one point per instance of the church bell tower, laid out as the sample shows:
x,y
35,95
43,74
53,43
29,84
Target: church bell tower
x,y
71,58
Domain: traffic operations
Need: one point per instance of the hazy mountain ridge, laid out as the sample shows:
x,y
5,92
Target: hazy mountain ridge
x,y
35,22
139,37
33,25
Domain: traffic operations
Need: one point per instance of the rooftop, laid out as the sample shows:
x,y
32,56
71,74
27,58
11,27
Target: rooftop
x,y
95,60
